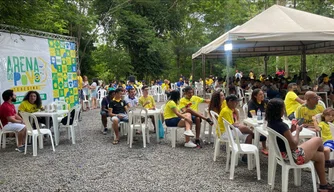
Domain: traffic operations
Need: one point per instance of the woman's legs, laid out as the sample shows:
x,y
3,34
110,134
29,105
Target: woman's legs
x,y
186,124
313,150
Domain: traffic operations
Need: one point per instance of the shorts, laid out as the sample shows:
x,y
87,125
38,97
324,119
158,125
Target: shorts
x,y
81,95
125,119
298,156
104,113
193,118
17,127
172,122
93,94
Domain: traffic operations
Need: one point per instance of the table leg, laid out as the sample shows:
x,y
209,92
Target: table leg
x,y
156,121
55,128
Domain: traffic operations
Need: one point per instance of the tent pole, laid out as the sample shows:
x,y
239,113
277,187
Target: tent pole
x,y
303,64
203,74
228,64
266,58
192,71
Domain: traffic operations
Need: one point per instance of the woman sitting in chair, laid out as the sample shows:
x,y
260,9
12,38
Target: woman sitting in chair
x,y
311,150
174,117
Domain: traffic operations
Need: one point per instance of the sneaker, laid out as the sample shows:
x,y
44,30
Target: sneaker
x,y
20,149
104,132
198,143
189,133
190,144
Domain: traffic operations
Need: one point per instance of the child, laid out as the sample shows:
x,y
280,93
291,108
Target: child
x,y
326,134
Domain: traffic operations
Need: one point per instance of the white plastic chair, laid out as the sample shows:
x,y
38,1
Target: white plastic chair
x,y
240,93
100,95
287,165
238,148
35,133
245,109
219,140
86,102
3,136
206,114
135,123
173,130
71,128
322,103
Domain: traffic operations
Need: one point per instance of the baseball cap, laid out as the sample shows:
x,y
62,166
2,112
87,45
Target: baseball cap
x,y
232,98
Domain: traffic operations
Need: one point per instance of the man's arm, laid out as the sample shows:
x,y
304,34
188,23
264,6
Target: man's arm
x,y
14,119
299,100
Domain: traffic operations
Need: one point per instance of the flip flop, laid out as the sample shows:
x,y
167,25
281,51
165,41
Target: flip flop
x,y
115,142
265,152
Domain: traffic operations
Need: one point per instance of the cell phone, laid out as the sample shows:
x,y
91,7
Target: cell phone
x,y
300,121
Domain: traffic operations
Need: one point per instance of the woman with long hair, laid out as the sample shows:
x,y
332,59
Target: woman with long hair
x,y
31,103
311,150
175,118
85,89
217,102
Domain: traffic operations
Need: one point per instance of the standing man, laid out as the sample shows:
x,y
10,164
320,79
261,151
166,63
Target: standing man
x,y
10,120
292,101
189,104
104,110
131,99
117,112
309,109
80,91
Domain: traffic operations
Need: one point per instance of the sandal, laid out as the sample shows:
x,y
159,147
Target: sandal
x,y
209,121
326,188
329,163
265,152
115,142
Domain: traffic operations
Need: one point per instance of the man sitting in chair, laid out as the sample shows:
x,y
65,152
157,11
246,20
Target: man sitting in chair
x,y
147,101
189,104
309,110
131,98
117,112
104,110
10,120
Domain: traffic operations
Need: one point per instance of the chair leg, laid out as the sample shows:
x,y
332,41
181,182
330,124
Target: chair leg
x,y
1,140
40,141
228,157
34,145
257,161
4,140
210,133
285,178
73,134
173,135
216,150
148,135
16,138
232,168
53,146
273,174
25,146
131,136
297,177
144,137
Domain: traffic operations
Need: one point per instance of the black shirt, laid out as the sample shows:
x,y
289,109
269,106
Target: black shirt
x,y
117,106
255,106
105,102
280,127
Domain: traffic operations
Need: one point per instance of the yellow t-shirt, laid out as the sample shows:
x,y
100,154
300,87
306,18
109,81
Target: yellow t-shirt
x,y
25,106
227,114
290,102
195,101
251,75
168,112
143,100
165,86
209,81
326,133
80,82
306,113
223,104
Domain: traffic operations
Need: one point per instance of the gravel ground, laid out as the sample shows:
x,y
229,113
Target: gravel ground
x,y
94,164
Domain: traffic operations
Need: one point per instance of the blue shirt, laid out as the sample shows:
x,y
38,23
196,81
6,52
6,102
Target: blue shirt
x,y
133,102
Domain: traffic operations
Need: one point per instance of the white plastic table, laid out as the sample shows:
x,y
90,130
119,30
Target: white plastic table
x,y
260,129
54,116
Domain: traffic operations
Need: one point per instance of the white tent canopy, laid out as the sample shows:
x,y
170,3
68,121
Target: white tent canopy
x,y
276,31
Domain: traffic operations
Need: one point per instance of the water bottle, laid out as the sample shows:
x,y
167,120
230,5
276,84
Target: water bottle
x,y
258,114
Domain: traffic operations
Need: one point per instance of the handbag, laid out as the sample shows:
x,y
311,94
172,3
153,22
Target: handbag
x,y
161,129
